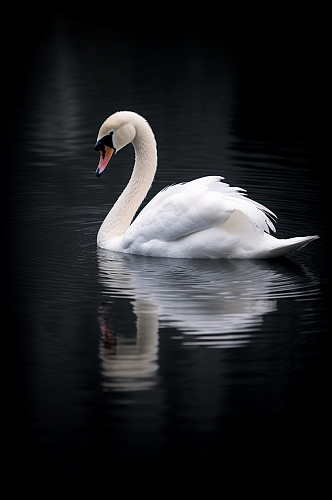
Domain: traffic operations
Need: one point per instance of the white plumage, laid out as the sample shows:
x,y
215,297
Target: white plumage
x,y
204,218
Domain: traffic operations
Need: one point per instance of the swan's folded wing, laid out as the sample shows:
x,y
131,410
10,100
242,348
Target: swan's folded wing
x,y
187,208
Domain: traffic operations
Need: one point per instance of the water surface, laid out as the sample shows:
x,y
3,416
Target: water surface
x,y
121,362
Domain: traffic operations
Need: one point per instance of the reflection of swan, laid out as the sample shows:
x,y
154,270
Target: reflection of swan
x,y
204,218
211,303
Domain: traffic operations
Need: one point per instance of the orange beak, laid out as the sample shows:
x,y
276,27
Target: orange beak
x,y
106,154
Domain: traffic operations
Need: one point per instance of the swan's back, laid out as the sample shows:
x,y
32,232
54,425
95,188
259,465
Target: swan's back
x,y
203,218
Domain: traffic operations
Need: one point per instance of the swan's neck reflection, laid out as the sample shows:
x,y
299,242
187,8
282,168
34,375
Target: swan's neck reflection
x,y
130,364
212,303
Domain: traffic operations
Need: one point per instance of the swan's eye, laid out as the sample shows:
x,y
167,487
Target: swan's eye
x,y
107,140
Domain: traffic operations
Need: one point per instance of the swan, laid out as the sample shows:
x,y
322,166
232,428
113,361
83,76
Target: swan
x,y
204,218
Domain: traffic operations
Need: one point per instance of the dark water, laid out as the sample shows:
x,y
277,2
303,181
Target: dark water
x,y
132,364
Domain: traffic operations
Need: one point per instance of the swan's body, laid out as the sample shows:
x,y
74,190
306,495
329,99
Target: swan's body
x,y
204,218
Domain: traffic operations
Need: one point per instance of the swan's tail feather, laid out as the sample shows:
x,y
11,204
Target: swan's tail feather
x,y
290,245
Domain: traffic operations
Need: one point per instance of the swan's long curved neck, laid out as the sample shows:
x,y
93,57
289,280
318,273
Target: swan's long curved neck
x,y
120,216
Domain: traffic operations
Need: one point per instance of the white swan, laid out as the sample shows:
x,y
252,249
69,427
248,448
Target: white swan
x,y
204,218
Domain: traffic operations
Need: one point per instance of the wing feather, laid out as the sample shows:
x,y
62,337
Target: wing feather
x,y
182,209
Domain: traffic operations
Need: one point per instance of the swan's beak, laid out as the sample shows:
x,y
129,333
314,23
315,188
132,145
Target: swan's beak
x,y
106,154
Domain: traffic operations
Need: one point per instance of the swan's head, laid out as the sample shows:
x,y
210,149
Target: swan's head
x,y
115,133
